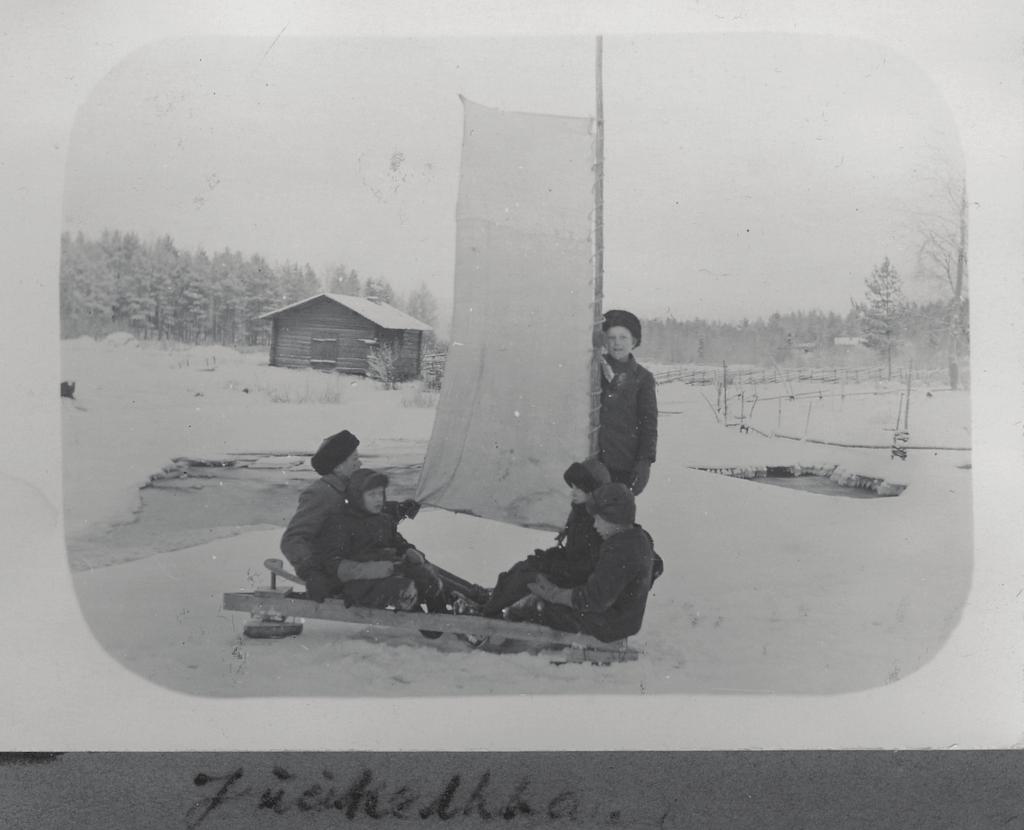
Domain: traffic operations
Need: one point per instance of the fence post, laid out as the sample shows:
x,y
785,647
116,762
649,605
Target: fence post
x,y
725,394
906,414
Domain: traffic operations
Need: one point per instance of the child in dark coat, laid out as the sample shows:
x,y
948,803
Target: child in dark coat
x,y
628,435
610,604
313,534
376,566
571,560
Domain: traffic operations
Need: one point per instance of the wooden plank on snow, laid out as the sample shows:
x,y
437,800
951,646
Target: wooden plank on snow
x,y
278,604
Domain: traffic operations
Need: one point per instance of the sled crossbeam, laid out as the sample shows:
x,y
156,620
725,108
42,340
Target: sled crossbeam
x,y
280,604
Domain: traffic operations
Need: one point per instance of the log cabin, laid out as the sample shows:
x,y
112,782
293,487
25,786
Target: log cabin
x,y
336,332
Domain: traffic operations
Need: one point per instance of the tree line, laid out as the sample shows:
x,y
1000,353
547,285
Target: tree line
x,y
884,325
154,289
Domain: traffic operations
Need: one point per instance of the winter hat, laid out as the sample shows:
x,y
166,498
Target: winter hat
x,y
614,503
587,475
626,319
333,451
361,482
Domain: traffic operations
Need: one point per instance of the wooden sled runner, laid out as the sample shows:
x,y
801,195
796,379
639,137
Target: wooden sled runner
x,y
277,612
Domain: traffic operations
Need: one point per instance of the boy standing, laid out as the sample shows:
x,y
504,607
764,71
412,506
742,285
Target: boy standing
x,y
628,435
610,604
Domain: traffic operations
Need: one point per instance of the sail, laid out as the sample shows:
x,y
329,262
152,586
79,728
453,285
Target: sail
x,y
514,409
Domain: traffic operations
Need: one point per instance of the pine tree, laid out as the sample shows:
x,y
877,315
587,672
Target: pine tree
x,y
343,281
227,295
883,314
297,283
86,287
309,282
422,305
261,294
379,288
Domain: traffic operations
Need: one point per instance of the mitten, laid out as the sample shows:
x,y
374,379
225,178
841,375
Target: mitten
x,y
319,585
641,474
413,557
377,569
408,509
546,589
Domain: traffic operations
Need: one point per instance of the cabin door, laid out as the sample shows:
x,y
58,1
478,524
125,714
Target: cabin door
x,y
323,352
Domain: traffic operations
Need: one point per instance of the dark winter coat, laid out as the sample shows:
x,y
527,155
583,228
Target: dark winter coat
x,y
572,560
567,564
365,536
370,541
314,534
629,416
613,599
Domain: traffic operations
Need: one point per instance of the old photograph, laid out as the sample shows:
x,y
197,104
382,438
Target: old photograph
x,y
429,366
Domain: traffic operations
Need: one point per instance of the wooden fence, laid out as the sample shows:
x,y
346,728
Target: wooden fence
x,y
433,372
713,376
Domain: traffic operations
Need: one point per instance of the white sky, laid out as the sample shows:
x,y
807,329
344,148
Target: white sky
x,y
745,173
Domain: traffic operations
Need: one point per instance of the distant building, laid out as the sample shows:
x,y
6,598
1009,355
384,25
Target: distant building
x,y
848,341
335,332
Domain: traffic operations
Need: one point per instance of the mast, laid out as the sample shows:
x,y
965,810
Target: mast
x,y
595,372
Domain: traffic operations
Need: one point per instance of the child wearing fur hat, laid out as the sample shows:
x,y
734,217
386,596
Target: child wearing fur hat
x,y
571,560
628,435
314,532
610,604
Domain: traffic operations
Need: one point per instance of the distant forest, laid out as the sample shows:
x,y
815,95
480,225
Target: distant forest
x,y
155,290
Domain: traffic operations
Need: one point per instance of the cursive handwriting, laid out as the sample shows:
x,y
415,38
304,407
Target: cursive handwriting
x,y
365,795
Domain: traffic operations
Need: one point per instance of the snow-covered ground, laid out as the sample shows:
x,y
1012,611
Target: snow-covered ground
x,y
766,589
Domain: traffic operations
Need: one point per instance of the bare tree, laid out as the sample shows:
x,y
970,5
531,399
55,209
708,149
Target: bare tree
x,y
942,257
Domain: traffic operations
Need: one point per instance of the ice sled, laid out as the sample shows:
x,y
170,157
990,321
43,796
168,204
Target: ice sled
x,y
278,611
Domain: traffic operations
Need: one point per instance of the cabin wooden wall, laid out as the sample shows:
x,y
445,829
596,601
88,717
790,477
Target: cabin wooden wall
x,y
407,345
295,330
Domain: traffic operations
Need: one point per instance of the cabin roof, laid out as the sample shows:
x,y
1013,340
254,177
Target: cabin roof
x,y
384,315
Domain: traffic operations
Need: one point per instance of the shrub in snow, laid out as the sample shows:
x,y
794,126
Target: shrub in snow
x,y
382,365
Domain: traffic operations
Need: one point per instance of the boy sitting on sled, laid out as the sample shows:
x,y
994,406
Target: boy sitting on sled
x,y
571,561
610,604
376,566
314,532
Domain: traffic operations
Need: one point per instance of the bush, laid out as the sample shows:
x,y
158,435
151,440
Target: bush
x,y
382,365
